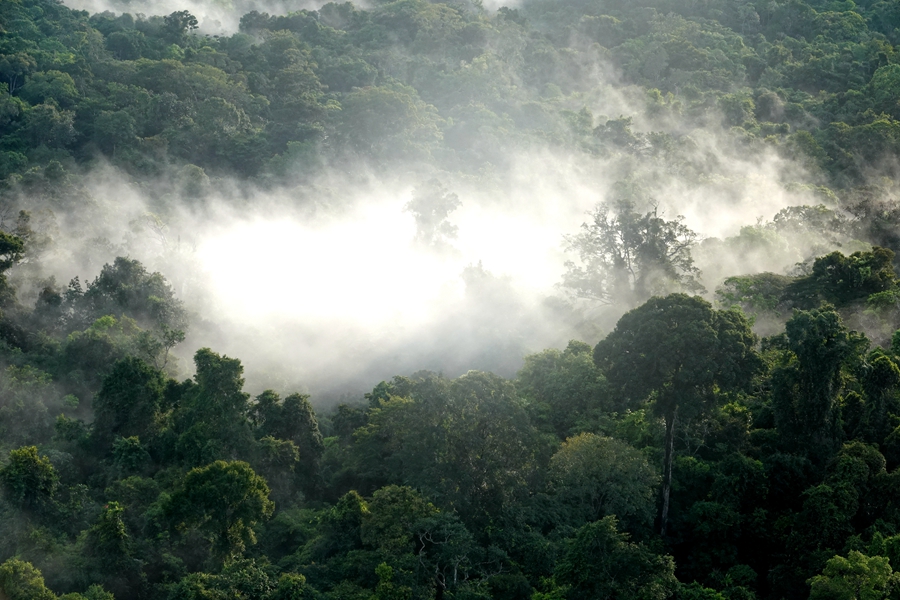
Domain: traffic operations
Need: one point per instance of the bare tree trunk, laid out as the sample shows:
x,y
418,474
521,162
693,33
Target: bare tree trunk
x,y
667,473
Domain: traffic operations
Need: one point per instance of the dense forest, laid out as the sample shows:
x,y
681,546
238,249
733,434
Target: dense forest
x,y
728,430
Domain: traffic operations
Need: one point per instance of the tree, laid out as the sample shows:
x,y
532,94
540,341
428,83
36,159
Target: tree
x,y
129,44
29,480
14,68
107,552
129,401
601,564
51,85
24,394
114,130
224,499
386,588
292,586
856,577
847,278
600,476
293,420
340,528
11,108
126,286
467,442
680,352
12,250
392,518
298,424
628,257
177,25
880,382
19,580
885,86
212,415
388,123
807,382
242,579
431,205
445,550
563,390
46,124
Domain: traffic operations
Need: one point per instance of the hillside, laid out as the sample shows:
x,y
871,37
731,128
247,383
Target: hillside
x,y
427,200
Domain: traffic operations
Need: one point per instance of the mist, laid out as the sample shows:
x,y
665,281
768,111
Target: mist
x,y
322,287
295,296
318,283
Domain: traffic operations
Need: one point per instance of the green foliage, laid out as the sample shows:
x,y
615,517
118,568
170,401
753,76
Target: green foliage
x,y
129,402
25,393
602,477
292,586
695,591
292,420
126,286
12,250
778,457
835,278
807,382
393,515
19,580
211,417
473,426
564,391
386,589
682,352
29,481
600,562
763,292
388,123
846,278
223,499
856,576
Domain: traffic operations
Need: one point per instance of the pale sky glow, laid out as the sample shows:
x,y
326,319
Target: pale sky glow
x,y
516,245
361,268
364,266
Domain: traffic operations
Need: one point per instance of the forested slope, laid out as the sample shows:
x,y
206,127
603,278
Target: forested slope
x,y
741,443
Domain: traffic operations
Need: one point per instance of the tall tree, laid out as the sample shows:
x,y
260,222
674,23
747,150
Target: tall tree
x,y
808,381
212,416
431,206
129,402
677,351
293,420
19,580
856,576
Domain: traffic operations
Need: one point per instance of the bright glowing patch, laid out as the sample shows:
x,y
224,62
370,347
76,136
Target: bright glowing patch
x,y
364,269
359,269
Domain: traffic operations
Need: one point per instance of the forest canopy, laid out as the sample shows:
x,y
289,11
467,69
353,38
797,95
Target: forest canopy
x,y
725,427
